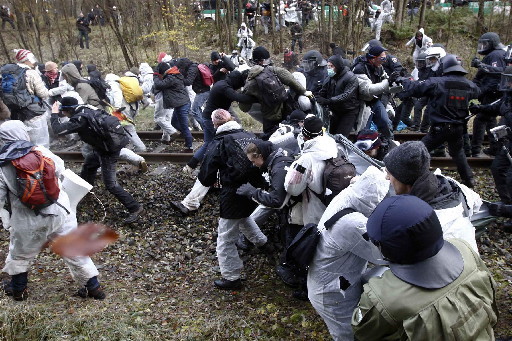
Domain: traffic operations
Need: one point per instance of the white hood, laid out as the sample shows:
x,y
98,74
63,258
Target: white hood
x,y
145,69
320,148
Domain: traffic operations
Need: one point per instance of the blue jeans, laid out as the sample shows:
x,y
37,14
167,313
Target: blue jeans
x,y
180,121
209,134
107,162
380,117
199,101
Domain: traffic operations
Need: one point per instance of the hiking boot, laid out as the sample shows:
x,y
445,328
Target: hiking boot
x,y
243,243
225,284
266,249
134,216
187,150
470,183
287,275
179,208
97,293
174,136
17,295
143,166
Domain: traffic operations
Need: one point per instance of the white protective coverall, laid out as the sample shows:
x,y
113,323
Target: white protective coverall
x,y
28,231
163,116
426,42
305,176
117,100
342,253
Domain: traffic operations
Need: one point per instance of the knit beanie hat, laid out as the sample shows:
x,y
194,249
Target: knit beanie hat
x,y
220,116
408,161
297,115
23,55
368,139
214,56
375,51
68,103
265,147
260,53
313,127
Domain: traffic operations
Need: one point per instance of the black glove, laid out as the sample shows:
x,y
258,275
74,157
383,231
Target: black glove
x,y
246,190
475,62
323,101
495,208
393,77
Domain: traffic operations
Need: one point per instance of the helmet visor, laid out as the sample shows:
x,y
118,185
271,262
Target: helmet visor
x,y
483,45
308,64
421,63
432,61
506,82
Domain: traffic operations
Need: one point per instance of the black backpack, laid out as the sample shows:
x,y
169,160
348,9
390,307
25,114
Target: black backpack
x,y
100,88
302,249
107,132
337,174
272,91
238,165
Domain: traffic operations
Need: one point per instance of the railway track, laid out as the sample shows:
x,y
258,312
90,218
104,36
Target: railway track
x,y
182,158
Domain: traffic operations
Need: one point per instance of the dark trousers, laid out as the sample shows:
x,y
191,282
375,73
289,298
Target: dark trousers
x,y
452,134
83,35
481,124
299,40
9,20
108,163
403,112
343,122
501,169
418,113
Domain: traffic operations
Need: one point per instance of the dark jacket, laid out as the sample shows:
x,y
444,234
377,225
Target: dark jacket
x,y
78,123
82,24
489,75
437,89
391,64
276,165
171,82
191,75
226,156
437,191
341,89
315,79
223,93
224,63
503,108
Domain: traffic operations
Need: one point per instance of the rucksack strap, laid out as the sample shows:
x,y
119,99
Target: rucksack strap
x,y
337,216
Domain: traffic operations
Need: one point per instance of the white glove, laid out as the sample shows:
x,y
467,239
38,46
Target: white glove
x,y
308,94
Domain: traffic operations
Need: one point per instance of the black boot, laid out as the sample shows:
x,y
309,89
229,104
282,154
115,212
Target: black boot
x,y
225,284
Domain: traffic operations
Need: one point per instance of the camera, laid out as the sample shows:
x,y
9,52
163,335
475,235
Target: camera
x,y
500,132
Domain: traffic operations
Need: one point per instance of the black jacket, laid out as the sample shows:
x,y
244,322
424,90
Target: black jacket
x,y
191,75
276,165
223,93
341,90
226,156
391,64
439,90
224,63
437,191
489,75
172,85
315,78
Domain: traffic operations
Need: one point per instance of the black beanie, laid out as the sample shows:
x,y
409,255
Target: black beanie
x,y
68,103
214,56
297,115
260,53
408,161
265,147
313,127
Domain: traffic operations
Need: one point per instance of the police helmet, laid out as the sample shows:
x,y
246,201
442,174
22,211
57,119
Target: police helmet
x,y
312,59
373,42
506,79
488,42
452,63
434,55
421,61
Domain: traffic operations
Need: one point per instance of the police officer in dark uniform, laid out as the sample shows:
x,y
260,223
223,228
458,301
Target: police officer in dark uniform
x,y
487,78
314,67
449,97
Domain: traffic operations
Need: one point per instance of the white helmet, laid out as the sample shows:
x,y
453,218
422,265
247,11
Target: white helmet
x,y
434,55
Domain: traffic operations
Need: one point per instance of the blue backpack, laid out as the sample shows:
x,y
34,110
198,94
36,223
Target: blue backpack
x,y
14,87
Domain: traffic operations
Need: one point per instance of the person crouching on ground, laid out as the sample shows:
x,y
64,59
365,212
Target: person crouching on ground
x,y
226,156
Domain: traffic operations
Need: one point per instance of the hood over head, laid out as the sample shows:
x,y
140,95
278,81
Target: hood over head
x,y
70,72
235,79
15,140
338,63
90,68
145,69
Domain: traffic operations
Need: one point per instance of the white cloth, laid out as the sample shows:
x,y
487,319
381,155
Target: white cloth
x,y
425,44
193,199
29,232
163,117
146,74
306,173
342,254
38,131
130,156
227,254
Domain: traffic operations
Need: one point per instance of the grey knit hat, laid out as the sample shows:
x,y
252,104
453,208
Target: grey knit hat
x,y
408,161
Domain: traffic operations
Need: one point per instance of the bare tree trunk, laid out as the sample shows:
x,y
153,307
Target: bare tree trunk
x,y
272,25
4,47
399,13
480,24
422,13
329,29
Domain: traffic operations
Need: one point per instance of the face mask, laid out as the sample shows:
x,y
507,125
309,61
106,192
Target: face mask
x,y
330,72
